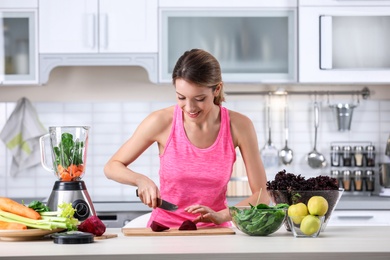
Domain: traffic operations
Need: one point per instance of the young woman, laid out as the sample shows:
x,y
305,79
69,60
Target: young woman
x,y
196,140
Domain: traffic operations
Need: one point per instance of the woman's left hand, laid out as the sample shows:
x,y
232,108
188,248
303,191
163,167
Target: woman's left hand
x,y
206,214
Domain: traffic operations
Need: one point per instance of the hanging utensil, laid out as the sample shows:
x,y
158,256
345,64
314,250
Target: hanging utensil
x,y
286,154
269,153
315,159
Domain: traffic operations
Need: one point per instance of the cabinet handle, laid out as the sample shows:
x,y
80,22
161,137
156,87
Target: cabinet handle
x,y
103,36
91,27
354,217
325,42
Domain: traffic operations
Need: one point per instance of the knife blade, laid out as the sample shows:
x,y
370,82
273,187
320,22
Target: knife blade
x,y
164,204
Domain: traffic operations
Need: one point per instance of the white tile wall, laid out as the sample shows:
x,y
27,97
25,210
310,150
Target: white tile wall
x,y
112,123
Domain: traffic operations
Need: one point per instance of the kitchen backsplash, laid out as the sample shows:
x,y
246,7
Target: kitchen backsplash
x,y
113,123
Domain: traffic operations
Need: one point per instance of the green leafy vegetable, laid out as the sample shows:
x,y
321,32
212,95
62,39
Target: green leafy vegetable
x,y
260,220
38,206
68,151
63,218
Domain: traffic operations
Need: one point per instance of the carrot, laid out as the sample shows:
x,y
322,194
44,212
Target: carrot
x,y
14,207
11,226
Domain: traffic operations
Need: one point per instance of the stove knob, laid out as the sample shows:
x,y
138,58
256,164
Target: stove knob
x,y
82,209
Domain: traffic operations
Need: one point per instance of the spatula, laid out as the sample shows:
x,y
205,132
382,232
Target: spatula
x,y
269,153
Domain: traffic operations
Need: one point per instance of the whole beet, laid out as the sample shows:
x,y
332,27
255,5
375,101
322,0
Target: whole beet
x,y
93,225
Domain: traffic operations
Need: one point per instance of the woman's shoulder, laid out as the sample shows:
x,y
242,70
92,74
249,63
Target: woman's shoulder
x,y
161,117
239,120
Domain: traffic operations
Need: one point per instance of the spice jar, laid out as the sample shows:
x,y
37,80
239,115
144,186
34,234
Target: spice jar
x,y
358,181
335,155
347,156
347,180
370,156
370,180
358,155
336,174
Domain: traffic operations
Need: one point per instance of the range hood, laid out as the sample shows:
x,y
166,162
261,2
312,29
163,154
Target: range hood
x,y
47,62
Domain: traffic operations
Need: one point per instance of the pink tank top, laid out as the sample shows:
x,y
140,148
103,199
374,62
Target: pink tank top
x,y
190,175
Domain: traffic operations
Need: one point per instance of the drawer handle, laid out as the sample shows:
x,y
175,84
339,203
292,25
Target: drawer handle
x,y
355,217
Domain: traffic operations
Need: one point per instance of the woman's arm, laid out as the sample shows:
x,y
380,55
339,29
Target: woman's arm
x,y
245,138
152,129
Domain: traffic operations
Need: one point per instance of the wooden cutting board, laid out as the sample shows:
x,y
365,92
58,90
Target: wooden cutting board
x,y
177,232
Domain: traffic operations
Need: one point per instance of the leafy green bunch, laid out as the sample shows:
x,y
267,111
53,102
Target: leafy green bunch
x,y
260,220
68,151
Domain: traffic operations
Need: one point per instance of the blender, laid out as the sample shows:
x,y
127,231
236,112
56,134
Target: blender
x,y
68,146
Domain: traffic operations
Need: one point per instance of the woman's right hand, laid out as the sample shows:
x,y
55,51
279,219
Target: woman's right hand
x,y
149,193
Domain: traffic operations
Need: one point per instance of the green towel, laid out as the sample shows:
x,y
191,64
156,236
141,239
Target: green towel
x,y
21,135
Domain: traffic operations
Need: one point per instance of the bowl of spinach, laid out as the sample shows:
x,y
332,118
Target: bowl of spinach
x,y
260,220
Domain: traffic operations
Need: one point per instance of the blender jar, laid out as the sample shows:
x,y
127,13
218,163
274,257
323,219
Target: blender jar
x,y
68,146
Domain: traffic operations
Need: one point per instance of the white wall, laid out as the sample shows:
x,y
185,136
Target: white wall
x,y
113,101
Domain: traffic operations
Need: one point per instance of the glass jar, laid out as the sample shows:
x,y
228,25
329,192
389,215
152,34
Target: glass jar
x,y
370,180
347,156
370,156
335,155
336,174
358,155
347,180
358,181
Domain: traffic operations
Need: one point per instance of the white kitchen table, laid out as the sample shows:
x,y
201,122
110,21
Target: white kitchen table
x,y
334,243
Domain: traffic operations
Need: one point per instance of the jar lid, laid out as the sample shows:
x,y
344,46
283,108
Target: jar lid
x,y
335,148
369,172
358,148
358,173
370,148
347,172
73,237
347,148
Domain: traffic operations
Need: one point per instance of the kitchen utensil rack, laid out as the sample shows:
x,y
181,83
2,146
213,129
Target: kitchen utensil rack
x,y
365,92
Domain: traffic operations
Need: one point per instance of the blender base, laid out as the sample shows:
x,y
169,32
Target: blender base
x,y
74,192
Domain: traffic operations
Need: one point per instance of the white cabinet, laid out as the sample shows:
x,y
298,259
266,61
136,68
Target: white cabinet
x,y
18,43
344,41
103,26
360,218
98,33
254,41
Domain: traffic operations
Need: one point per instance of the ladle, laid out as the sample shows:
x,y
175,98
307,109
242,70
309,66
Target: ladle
x,y
315,159
286,154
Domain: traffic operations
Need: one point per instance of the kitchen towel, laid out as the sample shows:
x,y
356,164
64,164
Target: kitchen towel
x,y
21,135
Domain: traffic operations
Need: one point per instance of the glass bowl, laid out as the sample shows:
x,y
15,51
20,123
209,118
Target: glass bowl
x,y
291,197
257,222
299,231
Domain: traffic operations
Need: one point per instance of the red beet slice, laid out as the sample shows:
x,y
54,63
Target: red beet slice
x,y
188,225
93,225
157,227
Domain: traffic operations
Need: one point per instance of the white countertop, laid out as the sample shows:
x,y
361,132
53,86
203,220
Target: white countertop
x,y
335,242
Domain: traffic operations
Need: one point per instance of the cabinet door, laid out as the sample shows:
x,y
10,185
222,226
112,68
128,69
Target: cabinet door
x,y
251,45
18,47
68,26
127,26
360,218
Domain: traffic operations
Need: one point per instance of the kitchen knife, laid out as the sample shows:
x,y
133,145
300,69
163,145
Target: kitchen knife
x,y
164,204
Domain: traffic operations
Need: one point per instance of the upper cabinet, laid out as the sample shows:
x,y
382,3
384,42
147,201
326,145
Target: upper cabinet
x,y
103,26
344,41
18,43
253,41
98,33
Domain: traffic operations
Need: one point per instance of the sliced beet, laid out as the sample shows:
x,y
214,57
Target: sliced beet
x,y
188,225
93,225
158,227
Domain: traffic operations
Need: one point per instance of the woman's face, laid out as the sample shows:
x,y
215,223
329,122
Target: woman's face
x,y
195,101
